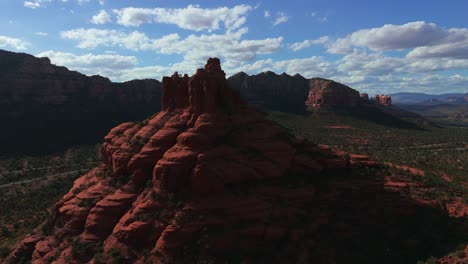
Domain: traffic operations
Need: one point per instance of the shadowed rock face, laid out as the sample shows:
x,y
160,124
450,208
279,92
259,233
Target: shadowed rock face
x,y
271,91
46,106
327,93
208,178
289,93
364,97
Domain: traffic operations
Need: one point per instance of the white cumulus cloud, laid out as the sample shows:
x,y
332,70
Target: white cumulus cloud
x,y
421,39
109,65
13,43
192,17
32,4
101,18
195,48
281,17
309,42
392,37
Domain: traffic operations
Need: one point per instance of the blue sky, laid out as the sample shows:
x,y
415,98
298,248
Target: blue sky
x,y
373,46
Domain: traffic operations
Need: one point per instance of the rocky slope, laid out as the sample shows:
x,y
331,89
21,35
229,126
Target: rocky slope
x,y
42,104
209,179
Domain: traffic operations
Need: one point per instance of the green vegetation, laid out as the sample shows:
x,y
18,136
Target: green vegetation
x,y
444,114
116,256
13,169
434,150
25,203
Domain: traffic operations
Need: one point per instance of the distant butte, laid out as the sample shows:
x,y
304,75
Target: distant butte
x,y
328,93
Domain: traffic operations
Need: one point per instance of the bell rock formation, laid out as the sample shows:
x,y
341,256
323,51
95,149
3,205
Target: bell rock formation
x,y
210,179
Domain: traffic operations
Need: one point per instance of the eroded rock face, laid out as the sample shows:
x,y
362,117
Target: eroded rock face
x,y
57,104
327,93
210,178
385,100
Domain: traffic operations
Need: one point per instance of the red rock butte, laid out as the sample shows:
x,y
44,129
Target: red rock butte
x,y
328,93
385,100
206,177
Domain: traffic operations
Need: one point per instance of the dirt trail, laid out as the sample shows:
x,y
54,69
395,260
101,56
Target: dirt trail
x,y
39,178
48,167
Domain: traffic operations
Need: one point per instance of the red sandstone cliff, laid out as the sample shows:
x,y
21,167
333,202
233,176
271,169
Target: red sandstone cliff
x,y
56,103
209,179
385,100
27,77
327,93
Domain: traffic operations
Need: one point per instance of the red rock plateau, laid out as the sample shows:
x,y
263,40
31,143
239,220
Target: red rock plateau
x,y
328,93
210,180
57,104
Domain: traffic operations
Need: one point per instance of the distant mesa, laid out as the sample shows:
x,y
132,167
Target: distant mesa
x,y
328,93
297,94
46,107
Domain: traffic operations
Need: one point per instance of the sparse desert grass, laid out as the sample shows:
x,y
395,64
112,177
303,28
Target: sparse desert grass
x,y
24,205
431,149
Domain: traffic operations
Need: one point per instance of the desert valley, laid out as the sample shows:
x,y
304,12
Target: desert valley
x,y
209,177
213,163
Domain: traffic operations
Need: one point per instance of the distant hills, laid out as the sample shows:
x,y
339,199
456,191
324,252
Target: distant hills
x,y
422,98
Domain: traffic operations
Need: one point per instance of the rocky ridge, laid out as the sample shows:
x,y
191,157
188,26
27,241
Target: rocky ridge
x,y
289,93
54,101
272,91
209,178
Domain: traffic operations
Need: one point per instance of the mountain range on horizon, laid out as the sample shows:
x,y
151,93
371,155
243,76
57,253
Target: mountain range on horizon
x,y
418,98
58,102
400,97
